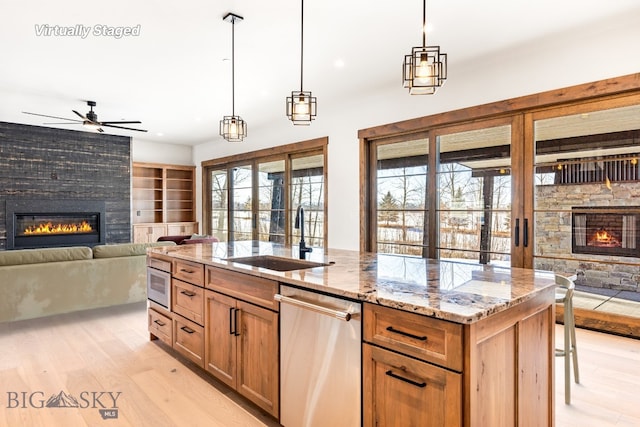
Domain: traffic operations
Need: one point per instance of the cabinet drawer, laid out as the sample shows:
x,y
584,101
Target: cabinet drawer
x,y
189,339
401,391
191,272
187,300
159,264
181,229
256,290
433,340
160,326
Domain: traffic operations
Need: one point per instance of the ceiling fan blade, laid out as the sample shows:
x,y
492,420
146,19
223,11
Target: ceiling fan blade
x,y
80,115
63,123
122,127
120,123
51,117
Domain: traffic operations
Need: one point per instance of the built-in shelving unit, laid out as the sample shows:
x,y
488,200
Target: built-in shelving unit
x,y
163,201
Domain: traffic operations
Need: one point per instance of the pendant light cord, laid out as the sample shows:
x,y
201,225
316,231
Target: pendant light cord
x,y
233,61
424,23
301,41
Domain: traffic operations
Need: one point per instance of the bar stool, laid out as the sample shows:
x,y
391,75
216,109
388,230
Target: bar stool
x,y
564,295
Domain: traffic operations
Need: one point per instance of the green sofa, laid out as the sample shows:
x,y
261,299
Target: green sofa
x,y
42,282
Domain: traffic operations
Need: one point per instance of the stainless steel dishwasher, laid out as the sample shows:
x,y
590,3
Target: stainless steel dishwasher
x,y
320,359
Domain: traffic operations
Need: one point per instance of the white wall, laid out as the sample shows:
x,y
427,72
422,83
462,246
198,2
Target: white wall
x,y
579,55
153,152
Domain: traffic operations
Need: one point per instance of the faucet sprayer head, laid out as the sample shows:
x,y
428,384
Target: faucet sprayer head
x,y
298,215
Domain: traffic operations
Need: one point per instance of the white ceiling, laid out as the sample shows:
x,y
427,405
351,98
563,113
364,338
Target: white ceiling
x,y
176,75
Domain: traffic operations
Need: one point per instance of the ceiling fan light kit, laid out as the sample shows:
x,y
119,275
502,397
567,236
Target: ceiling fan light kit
x,y
425,69
301,105
233,128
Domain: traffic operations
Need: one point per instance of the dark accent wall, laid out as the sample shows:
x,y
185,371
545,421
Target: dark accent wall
x,y
51,164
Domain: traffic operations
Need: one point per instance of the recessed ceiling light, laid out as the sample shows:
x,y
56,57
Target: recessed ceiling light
x,y
159,134
339,63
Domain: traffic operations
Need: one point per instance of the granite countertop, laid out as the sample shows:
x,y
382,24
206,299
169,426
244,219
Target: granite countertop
x,y
454,291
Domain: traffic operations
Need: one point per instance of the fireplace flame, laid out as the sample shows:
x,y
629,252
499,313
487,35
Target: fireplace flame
x,y
603,236
50,228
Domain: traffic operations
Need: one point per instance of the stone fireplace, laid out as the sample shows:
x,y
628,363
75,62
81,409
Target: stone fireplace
x,y
52,165
52,223
606,231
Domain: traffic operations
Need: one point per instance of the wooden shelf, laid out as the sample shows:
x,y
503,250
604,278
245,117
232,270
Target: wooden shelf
x,y
162,200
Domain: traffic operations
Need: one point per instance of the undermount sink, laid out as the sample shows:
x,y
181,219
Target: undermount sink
x,y
277,263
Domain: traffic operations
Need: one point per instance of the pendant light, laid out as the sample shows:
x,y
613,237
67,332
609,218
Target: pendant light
x,y
425,70
233,128
301,106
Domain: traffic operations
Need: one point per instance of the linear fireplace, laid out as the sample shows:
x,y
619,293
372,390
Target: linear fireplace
x,y
612,230
51,223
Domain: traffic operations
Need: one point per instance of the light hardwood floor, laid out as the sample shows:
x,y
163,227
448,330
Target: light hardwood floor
x,y
108,350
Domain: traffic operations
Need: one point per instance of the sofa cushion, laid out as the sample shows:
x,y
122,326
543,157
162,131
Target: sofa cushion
x,y
37,256
125,249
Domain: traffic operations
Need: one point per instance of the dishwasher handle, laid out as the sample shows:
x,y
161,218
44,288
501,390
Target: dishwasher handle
x,y
342,315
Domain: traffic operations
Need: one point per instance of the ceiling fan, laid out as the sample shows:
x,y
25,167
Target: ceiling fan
x,y
90,120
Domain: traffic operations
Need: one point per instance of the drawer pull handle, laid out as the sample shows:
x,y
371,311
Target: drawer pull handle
x,y
187,330
184,270
159,323
406,380
235,327
406,334
187,293
231,320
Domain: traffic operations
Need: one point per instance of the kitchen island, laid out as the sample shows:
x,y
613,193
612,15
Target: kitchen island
x,y
443,343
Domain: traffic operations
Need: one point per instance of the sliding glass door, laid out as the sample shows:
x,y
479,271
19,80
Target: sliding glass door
x,y
257,198
471,180
477,219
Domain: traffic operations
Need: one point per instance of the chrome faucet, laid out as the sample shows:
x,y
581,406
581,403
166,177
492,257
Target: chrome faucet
x,y
300,225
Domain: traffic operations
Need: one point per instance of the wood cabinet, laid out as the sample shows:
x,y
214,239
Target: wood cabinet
x,y
147,233
420,371
160,325
163,201
400,390
241,339
188,339
187,300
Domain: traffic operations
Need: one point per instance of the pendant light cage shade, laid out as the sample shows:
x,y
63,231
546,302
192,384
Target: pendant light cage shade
x,y
425,70
301,107
233,128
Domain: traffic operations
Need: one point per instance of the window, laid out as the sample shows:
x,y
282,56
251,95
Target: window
x,y
307,190
219,205
444,193
474,195
271,201
401,197
254,196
